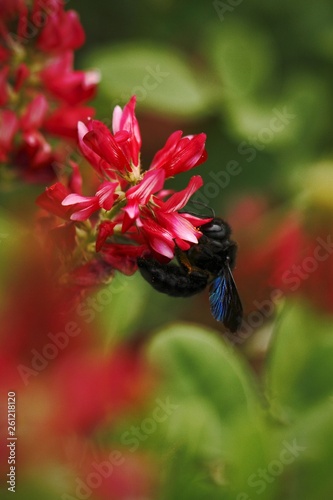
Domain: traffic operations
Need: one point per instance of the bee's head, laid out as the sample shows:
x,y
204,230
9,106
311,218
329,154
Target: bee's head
x,y
216,229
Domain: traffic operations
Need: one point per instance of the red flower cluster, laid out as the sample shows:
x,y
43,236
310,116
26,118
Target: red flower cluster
x,y
40,93
53,357
130,213
285,254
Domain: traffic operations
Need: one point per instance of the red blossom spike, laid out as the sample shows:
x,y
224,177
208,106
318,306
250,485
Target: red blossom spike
x,y
62,31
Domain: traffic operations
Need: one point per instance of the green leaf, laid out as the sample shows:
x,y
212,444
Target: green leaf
x,y
219,415
197,360
313,437
300,368
242,55
161,78
11,234
121,305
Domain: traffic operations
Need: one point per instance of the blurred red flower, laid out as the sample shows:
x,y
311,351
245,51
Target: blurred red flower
x,y
281,254
41,95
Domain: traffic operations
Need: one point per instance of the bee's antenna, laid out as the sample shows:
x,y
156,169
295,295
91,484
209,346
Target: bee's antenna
x,y
199,203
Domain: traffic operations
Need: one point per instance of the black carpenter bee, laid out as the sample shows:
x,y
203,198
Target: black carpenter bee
x,y
210,262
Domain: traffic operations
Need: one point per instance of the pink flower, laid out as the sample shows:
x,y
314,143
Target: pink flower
x,y
133,213
113,152
119,152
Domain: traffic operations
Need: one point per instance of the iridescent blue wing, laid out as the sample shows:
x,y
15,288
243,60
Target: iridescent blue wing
x,y
224,300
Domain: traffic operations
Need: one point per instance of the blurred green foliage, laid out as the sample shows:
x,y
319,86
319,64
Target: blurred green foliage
x,y
220,434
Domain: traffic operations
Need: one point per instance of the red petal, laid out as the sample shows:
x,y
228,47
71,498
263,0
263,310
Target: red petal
x,y
35,113
180,154
180,199
51,200
105,146
152,182
122,257
106,194
64,121
178,226
105,229
164,154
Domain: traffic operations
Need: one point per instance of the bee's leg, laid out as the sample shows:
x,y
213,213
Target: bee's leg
x,y
183,260
186,265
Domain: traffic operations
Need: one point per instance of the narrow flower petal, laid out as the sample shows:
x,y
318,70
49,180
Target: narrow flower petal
x,y
85,212
51,200
158,238
163,155
93,158
75,180
62,31
65,83
106,194
195,220
82,206
63,121
105,146
105,229
152,182
180,199
126,120
4,85
73,199
180,154
8,127
35,113
179,226
122,257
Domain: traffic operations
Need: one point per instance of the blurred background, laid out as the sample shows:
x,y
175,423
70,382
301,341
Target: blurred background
x,y
154,399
